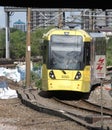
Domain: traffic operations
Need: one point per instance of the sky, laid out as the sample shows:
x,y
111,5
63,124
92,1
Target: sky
x,y
13,18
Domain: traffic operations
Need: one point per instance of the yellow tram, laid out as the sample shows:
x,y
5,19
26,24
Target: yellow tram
x,y
68,59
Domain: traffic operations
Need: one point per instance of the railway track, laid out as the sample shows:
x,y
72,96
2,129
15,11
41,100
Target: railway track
x,y
34,99
93,111
87,106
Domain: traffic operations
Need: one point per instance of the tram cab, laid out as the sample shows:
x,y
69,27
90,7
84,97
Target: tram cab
x,y
69,59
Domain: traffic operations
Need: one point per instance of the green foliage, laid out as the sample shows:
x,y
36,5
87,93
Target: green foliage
x,y
17,44
35,80
36,39
2,43
35,77
109,52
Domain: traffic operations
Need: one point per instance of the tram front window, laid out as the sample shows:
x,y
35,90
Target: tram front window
x,y
66,52
67,56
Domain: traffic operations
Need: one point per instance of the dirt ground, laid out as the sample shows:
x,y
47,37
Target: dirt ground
x,y
16,116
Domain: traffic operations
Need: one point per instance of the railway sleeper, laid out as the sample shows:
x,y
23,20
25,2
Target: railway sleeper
x,y
93,119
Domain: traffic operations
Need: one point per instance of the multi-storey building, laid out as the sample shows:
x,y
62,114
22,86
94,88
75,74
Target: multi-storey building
x,y
44,19
19,25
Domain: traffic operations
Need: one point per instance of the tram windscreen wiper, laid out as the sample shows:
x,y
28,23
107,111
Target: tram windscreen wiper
x,y
64,71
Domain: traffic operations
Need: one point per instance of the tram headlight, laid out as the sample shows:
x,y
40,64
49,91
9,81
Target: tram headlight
x,y
78,75
51,75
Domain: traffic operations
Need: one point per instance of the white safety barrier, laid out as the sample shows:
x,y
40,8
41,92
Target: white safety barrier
x,y
6,92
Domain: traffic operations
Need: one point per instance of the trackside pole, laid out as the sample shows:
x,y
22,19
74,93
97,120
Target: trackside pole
x,y
101,104
28,50
100,72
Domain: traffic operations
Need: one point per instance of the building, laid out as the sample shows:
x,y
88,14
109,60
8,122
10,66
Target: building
x,y
19,25
88,19
44,19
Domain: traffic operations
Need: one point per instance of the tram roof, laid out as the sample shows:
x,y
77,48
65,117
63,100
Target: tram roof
x,y
59,31
86,35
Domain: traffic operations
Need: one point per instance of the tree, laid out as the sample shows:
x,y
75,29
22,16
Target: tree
x,y
109,52
17,44
36,39
2,43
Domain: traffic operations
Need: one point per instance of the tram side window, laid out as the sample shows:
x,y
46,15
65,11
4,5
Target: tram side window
x,y
87,54
44,49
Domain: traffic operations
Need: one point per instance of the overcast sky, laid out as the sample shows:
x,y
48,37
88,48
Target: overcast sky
x,y
15,16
